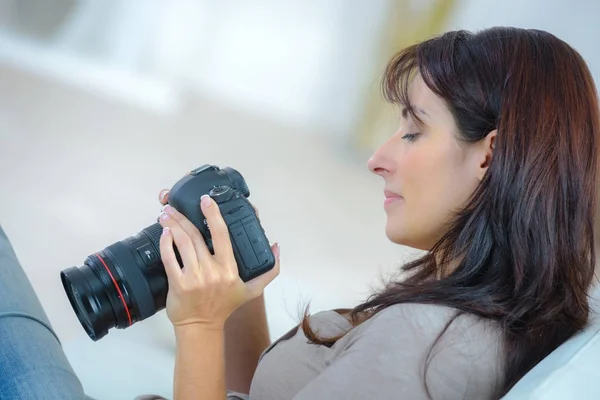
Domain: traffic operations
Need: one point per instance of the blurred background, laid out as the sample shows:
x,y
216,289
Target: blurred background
x,y
105,102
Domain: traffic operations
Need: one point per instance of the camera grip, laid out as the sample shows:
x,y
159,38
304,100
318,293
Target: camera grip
x,y
250,245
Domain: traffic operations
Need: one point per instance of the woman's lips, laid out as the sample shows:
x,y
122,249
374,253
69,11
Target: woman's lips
x,y
390,197
390,200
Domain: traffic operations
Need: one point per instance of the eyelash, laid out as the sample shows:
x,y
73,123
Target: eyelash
x,y
410,137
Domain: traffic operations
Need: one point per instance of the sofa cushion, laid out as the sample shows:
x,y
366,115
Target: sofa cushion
x,y
572,371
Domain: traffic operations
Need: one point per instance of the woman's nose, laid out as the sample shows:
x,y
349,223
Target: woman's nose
x,y
378,164
382,161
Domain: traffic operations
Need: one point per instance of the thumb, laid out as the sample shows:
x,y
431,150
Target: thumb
x,y
163,196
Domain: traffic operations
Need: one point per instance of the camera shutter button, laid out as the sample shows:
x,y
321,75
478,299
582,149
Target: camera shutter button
x,y
221,194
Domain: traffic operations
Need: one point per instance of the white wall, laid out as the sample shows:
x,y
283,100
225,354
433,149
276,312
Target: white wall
x,y
299,62
302,62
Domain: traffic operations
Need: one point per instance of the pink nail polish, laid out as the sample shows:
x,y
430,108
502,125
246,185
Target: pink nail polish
x,y
169,209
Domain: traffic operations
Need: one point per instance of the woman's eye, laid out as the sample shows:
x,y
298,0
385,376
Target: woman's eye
x,y
411,137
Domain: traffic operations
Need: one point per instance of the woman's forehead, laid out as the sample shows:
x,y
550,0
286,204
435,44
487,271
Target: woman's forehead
x,y
425,102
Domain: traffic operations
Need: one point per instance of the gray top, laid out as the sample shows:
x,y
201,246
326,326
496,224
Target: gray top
x,y
383,358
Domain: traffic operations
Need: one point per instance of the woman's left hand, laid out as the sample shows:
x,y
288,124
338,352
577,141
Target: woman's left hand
x,y
208,288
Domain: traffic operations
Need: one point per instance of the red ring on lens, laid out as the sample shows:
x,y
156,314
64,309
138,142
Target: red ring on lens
x,y
116,286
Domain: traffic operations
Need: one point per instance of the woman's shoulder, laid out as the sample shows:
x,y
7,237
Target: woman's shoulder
x,y
423,319
447,341
421,326
389,351
461,351
411,315
429,316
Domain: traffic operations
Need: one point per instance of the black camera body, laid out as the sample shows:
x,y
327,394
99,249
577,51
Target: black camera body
x,y
250,244
126,282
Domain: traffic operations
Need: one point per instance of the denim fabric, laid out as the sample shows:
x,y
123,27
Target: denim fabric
x,y
32,362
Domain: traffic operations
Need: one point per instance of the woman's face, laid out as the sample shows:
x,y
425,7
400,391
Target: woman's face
x,y
428,174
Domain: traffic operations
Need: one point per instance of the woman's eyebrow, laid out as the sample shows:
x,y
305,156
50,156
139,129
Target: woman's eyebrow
x,y
418,110
422,111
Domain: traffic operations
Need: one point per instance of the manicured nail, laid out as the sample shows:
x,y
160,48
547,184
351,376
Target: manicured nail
x,y
205,200
276,252
166,231
163,193
169,209
163,216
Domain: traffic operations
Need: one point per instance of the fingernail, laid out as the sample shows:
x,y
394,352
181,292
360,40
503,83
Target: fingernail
x,y
276,251
166,231
205,200
163,216
163,193
169,209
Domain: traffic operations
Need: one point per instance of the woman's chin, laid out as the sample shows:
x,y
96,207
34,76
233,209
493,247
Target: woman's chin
x,y
400,237
395,235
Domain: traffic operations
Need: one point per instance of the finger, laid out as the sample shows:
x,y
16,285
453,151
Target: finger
x,y
163,196
219,232
257,285
167,253
183,242
197,239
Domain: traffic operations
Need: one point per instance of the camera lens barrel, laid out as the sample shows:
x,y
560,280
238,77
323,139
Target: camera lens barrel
x,y
120,285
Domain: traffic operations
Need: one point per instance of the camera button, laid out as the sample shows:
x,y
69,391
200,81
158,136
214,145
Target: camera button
x,y
147,253
263,256
236,211
252,228
243,245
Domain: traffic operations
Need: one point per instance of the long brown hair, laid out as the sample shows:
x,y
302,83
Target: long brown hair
x,y
522,249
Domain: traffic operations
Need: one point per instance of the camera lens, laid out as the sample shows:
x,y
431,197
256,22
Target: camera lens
x,y
120,285
83,308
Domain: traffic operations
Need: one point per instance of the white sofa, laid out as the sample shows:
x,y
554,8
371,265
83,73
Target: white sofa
x,y
570,372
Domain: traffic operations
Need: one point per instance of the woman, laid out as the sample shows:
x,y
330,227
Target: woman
x,y
492,171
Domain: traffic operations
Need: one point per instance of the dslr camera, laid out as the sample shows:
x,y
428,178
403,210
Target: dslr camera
x,y
125,282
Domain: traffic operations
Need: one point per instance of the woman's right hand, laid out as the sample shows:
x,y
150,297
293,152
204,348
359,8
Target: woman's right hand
x,y
246,335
